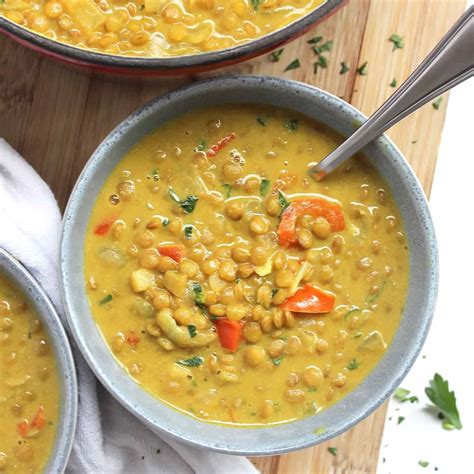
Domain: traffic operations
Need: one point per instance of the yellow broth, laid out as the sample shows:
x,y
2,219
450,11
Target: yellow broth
x,y
288,365
29,388
155,28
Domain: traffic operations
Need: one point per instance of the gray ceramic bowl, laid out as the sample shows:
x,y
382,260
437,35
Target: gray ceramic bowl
x,y
19,276
407,343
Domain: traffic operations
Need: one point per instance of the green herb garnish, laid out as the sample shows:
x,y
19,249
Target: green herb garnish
x,y
165,222
192,362
393,83
275,56
255,4
192,330
188,231
363,69
295,64
105,300
264,187
228,189
400,419
282,201
333,451
402,395
202,145
189,204
344,68
277,361
315,40
155,175
376,296
291,124
437,103
423,463
262,121
445,400
327,46
322,63
198,292
397,41
353,364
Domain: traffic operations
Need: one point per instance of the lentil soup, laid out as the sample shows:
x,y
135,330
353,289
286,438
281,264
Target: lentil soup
x,y
230,284
155,28
29,387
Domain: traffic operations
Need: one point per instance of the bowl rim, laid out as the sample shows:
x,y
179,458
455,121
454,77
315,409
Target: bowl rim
x,y
168,64
66,426
384,143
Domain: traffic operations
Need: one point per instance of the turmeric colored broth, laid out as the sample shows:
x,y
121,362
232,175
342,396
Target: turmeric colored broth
x,y
155,28
29,388
159,317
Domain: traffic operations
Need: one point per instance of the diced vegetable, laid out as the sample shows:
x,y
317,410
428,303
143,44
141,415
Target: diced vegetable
x,y
230,333
23,428
86,13
142,280
104,226
173,251
314,207
309,300
175,283
132,338
220,144
39,420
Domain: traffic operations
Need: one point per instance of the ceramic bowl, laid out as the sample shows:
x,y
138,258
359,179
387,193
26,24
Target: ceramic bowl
x,y
384,156
21,278
189,64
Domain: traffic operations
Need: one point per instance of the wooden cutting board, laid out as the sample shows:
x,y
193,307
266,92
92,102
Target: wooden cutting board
x,y
56,116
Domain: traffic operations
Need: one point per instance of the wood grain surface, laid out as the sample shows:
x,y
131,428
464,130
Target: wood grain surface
x,y
55,116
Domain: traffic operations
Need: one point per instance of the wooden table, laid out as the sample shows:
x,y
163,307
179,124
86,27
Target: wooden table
x,y
55,117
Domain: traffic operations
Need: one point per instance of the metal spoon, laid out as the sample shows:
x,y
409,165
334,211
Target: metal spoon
x,y
449,63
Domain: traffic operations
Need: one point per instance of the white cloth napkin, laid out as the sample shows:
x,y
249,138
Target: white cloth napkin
x,y
109,440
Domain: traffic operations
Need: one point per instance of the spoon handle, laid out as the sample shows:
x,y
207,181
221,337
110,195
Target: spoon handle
x,y
449,63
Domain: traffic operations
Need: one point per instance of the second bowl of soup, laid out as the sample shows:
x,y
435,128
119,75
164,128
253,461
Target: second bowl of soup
x,y
234,289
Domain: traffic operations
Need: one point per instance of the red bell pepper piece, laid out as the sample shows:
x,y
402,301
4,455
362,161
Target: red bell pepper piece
x,y
104,226
39,420
132,338
220,144
315,207
171,250
23,428
229,332
309,300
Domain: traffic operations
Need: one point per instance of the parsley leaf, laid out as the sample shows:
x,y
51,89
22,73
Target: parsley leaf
x,y
445,400
401,394
327,46
264,187
275,56
291,124
228,188
165,222
315,40
188,231
277,361
344,68
362,69
322,63
192,330
353,364
255,4
437,103
295,64
105,300
187,205
423,463
192,362
202,145
199,296
393,83
282,201
400,419
333,451
397,41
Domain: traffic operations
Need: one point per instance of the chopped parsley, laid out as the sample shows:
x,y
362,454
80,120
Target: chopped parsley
x,y
397,41
262,121
155,175
327,46
363,69
277,361
353,364
188,231
322,63
393,83
264,187
202,145
105,300
445,400
228,189
187,205
291,124
275,56
423,463
400,419
192,330
282,201
333,451
165,222
192,362
315,40
402,395
437,103
198,292
255,4
295,64
344,68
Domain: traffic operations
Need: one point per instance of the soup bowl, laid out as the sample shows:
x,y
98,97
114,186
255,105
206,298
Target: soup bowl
x,y
382,381
21,278
165,66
